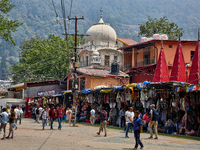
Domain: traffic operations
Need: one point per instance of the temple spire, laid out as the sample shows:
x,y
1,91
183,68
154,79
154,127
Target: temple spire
x,y
101,10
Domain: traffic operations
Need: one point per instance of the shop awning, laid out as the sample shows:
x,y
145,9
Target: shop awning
x,y
117,87
131,85
86,91
106,90
66,92
143,85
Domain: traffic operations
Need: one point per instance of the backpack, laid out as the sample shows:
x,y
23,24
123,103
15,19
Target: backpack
x,y
155,115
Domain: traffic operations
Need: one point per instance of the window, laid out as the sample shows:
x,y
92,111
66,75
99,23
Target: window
x,y
107,60
87,60
192,54
170,46
82,83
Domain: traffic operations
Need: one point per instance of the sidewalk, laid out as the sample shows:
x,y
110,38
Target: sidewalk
x,y
29,136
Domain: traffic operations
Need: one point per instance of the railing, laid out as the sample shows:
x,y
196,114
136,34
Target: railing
x,y
145,61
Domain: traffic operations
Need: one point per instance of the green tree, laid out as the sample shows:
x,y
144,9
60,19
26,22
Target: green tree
x,y
7,26
43,59
161,26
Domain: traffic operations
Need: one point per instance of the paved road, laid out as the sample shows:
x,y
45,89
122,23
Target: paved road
x,y
29,136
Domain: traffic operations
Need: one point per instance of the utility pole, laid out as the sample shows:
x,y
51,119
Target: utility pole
x,y
75,84
75,48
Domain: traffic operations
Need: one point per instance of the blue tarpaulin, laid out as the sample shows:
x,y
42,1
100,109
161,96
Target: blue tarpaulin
x,y
143,85
86,91
117,87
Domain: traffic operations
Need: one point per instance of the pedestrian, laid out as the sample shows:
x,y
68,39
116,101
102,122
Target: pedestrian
x,y
37,112
146,120
4,121
153,122
122,117
137,126
69,113
8,109
23,109
1,109
17,114
129,119
11,122
21,114
92,116
48,118
103,121
52,115
44,116
60,114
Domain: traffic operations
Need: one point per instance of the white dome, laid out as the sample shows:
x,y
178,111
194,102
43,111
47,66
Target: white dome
x,y
95,53
101,32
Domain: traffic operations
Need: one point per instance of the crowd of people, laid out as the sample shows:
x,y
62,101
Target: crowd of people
x,y
48,114
10,116
132,120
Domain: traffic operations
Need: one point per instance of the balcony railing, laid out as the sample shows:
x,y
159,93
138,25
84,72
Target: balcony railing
x,y
145,61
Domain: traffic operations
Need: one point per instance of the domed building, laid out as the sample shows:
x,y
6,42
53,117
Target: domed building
x,y
101,44
96,57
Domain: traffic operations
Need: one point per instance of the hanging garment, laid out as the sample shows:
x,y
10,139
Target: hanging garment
x,y
118,98
128,95
112,105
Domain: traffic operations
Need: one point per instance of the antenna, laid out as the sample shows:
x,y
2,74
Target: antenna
x,y
198,35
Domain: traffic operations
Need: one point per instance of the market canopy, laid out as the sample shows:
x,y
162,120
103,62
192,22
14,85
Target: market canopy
x,y
162,72
131,85
195,68
178,72
86,91
143,85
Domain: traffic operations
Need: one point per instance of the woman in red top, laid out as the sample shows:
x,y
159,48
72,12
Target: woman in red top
x,y
52,115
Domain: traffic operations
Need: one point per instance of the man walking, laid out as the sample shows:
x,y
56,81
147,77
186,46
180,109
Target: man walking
x,y
103,121
122,117
17,114
48,119
137,126
129,119
44,116
60,113
21,114
37,112
92,117
153,122
52,116
11,122
4,120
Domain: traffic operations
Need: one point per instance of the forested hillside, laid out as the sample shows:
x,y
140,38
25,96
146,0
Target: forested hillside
x,y
39,17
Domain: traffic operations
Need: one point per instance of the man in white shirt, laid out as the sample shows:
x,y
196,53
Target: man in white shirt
x,y
129,119
44,116
92,116
17,114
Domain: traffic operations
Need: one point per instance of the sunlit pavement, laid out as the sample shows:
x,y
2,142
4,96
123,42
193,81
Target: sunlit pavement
x,y
30,136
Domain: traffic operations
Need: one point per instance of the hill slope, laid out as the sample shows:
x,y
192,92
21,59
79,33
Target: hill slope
x,y
39,17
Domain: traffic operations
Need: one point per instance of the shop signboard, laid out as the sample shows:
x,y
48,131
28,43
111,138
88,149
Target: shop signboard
x,y
46,93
